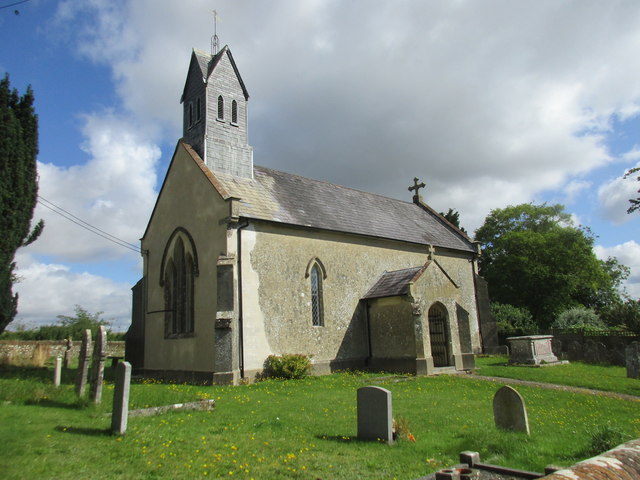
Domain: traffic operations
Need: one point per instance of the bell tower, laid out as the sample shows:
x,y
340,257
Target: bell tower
x,y
215,115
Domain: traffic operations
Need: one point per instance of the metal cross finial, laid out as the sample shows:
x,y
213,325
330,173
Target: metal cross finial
x,y
416,187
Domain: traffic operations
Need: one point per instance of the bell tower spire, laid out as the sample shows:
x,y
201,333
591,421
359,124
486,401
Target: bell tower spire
x,y
215,112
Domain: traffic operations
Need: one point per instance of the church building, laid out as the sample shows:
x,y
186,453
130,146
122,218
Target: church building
x,y
243,261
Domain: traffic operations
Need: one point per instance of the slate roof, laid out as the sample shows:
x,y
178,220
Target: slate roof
x,y
391,284
207,64
285,198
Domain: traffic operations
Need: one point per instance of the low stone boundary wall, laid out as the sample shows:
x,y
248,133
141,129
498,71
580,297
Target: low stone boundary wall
x,y
24,349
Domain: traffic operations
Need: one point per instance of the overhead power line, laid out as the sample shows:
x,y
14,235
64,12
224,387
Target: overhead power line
x,y
86,225
13,4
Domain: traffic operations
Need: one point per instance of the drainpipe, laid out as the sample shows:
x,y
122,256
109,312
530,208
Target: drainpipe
x,y
242,224
368,326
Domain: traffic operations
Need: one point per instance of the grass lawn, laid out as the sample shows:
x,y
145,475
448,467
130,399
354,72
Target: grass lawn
x,y
287,429
609,378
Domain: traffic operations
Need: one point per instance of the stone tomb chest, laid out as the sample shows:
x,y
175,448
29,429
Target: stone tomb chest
x,y
531,350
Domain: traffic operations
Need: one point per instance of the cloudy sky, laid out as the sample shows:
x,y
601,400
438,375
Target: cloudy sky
x,y
490,103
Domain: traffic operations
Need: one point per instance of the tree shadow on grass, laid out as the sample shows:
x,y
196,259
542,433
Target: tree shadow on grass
x,y
92,432
46,402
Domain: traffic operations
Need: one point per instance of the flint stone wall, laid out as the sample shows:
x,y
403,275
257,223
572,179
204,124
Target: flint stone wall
x,y
23,349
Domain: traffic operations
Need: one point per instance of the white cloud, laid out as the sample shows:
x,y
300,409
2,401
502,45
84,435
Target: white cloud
x,y
114,191
632,155
614,198
574,189
627,254
48,290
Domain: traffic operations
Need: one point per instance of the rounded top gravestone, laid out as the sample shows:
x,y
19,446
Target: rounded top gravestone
x,y
509,410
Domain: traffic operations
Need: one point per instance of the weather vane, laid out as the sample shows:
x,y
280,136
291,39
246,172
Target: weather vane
x,y
215,42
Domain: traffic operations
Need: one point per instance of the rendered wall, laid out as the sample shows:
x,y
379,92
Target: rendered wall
x,y
276,296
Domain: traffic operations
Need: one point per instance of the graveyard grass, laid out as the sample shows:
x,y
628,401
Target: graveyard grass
x,y
287,429
604,377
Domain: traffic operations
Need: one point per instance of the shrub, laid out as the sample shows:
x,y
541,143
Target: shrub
x,y
603,438
288,366
512,320
578,318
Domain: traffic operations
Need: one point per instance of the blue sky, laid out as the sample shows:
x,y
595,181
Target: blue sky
x,y
490,103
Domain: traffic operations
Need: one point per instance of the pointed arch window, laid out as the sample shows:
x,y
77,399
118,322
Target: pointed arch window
x,y
190,114
317,307
220,107
178,281
234,112
198,109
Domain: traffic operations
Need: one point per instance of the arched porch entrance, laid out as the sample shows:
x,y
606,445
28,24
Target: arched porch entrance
x,y
439,336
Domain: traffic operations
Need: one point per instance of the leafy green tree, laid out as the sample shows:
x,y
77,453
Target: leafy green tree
x,y
81,321
623,316
18,188
512,320
635,202
536,258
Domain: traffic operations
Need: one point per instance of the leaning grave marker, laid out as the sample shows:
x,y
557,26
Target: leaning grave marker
x,y
97,371
83,364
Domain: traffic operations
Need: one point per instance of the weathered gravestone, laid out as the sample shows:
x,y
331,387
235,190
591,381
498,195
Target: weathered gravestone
x,y
595,352
97,368
632,357
509,410
120,412
375,417
83,364
67,352
575,351
57,372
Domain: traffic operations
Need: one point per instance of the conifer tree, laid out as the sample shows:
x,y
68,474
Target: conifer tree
x,y
18,187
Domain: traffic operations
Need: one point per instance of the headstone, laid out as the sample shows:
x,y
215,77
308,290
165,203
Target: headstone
x,y
57,373
120,412
509,410
83,364
97,368
375,417
595,352
67,352
575,351
632,354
